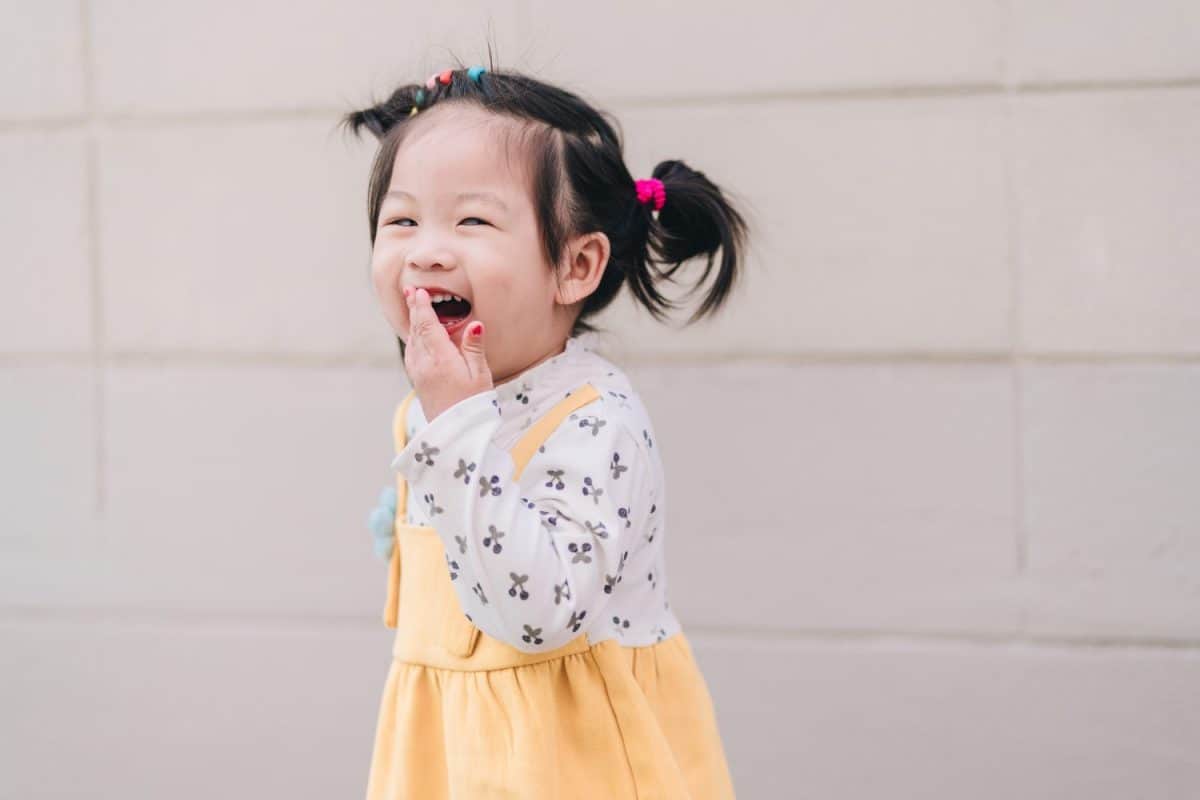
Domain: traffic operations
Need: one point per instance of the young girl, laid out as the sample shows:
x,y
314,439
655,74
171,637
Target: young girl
x,y
536,653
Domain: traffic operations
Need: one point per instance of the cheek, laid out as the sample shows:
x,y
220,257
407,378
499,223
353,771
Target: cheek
x,y
385,278
384,260
380,280
386,267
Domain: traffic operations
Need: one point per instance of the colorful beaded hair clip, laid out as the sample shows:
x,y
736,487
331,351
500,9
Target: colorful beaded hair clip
x,y
444,78
647,188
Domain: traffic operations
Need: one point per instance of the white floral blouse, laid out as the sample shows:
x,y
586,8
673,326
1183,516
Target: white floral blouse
x,y
576,544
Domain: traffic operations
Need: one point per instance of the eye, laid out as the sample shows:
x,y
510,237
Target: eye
x,y
398,221
484,221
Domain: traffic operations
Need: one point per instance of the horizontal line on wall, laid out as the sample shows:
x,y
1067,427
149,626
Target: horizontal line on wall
x,y
741,635
46,359
259,622
190,620
49,123
832,93
1081,86
1110,358
727,358
870,93
865,93
175,118
885,358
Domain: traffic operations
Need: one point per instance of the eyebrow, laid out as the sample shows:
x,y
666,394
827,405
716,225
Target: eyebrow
x,y
484,197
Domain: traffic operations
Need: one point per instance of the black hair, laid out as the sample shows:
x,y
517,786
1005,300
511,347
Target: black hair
x,y
580,184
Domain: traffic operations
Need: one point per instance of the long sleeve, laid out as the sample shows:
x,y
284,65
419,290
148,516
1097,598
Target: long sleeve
x,y
534,565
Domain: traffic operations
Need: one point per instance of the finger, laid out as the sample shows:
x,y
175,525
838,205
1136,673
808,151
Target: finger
x,y
472,350
424,326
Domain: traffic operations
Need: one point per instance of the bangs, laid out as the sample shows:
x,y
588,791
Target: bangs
x,y
532,150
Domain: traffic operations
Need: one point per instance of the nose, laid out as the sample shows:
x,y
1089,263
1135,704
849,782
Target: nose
x,y
429,253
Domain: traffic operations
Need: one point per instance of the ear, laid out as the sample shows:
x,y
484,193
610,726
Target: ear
x,y
587,257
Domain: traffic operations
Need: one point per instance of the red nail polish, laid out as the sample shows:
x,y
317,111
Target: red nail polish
x,y
476,328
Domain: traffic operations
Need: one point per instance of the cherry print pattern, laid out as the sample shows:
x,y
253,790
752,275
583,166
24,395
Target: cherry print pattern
x,y
464,471
581,552
604,448
562,591
486,485
427,453
492,540
621,397
617,467
590,489
531,635
598,530
518,587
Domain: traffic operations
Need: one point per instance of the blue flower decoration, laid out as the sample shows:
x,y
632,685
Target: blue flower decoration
x,y
382,522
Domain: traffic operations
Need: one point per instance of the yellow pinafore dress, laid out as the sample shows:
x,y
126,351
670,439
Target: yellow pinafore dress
x,y
465,716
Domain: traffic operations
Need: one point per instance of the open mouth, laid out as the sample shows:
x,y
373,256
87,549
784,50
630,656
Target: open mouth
x,y
450,309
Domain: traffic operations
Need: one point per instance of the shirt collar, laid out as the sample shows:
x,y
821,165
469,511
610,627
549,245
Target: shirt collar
x,y
555,376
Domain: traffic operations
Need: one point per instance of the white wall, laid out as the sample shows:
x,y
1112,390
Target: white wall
x,y
954,550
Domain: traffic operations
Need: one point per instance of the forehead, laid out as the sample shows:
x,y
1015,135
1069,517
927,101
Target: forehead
x,y
460,149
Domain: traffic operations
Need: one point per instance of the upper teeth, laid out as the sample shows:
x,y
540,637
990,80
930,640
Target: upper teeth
x,y
438,298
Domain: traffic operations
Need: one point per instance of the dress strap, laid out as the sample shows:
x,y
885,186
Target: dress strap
x,y
521,453
528,444
400,434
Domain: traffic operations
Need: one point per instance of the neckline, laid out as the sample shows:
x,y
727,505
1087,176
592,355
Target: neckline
x,y
538,374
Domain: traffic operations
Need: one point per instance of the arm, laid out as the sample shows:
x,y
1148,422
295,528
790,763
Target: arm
x,y
535,563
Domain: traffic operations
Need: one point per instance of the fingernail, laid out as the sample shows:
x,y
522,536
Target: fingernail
x,y
476,328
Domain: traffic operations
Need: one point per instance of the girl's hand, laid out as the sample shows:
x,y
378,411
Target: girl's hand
x,y
442,375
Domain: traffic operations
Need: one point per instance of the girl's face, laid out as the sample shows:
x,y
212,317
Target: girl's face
x,y
457,219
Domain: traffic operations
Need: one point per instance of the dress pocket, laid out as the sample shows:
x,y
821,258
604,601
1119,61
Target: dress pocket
x,y
460,634
428,598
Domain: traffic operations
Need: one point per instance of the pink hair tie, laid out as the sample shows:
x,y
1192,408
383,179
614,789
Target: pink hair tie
x,y
651,187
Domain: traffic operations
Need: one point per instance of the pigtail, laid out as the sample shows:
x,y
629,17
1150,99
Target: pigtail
x,y
382,117
696,219
579,183
385,121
